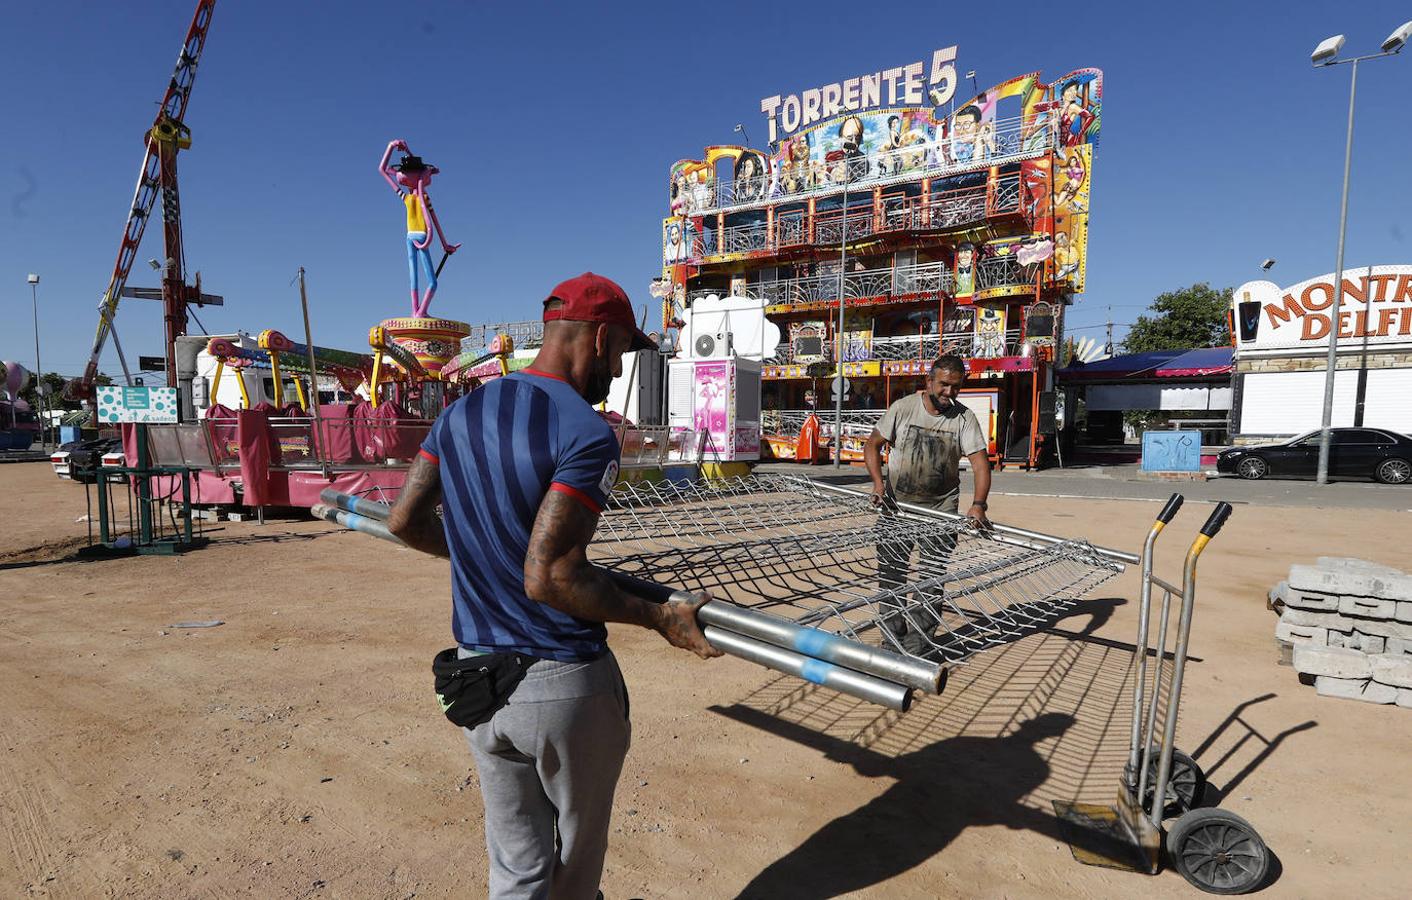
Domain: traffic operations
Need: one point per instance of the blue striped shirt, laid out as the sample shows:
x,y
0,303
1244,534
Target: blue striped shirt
x,y
500,449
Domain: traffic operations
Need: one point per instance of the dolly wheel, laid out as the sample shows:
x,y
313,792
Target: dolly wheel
x,y
1185,785
1218,852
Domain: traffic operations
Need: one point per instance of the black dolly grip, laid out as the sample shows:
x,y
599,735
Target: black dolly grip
x,y
1169,512
1219,515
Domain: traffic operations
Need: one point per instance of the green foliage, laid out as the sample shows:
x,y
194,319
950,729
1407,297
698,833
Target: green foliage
x,y
1181,320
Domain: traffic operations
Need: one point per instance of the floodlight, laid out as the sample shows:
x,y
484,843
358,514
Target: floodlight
x,y
1267,264
1394,41
33,278
1324,54
156,266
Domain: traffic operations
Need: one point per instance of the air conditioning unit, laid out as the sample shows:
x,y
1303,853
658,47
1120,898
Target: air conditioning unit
x,y
713,346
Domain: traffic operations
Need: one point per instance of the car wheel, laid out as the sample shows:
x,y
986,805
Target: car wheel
x,y
1393,471
1252,468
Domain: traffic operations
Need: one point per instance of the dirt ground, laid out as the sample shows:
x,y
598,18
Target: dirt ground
x,y
297,751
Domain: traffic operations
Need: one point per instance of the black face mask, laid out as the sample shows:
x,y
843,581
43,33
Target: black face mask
x,y
599,381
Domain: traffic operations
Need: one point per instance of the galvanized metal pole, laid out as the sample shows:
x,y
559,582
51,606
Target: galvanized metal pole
x,y
1323,473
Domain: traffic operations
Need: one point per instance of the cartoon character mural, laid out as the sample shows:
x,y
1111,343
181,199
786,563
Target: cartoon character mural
x,y
715,390
965,270
693,186
1079,98
752,177
1072,185
990,332
675,248
409,178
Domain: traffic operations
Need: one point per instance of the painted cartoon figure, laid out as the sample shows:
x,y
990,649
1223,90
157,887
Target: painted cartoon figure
x,y
1066,257
751,177
972,138
410,178
965,269
990,332
1074,117
1072,165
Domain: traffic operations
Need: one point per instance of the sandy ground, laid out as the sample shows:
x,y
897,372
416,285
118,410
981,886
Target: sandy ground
x,y
297,750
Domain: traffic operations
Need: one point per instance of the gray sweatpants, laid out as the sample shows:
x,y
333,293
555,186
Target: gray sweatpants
x,y
548,763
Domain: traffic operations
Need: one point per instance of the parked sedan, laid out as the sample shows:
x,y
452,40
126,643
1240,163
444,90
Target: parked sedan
x,y
1353,453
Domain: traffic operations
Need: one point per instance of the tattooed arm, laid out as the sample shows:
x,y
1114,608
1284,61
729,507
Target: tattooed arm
x,y
413,517
558,574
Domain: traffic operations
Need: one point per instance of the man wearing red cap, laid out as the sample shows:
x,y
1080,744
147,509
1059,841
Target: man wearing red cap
x,y
522,468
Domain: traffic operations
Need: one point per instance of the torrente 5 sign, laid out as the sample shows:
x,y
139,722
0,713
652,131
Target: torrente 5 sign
x,y
899,86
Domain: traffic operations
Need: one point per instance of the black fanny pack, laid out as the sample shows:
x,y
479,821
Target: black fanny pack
x,y
473,689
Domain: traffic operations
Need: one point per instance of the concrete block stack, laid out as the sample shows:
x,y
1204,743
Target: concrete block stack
x,y
1348,623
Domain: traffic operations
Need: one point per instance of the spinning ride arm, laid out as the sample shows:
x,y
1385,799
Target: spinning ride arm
x,y
157,173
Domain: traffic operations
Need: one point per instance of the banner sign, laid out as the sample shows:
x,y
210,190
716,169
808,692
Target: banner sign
x,y
1376,309
911,85
137,404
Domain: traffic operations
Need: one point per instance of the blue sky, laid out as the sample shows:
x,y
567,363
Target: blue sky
x,y
554,126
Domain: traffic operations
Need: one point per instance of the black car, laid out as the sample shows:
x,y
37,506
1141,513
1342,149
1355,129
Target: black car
x,y
1353,453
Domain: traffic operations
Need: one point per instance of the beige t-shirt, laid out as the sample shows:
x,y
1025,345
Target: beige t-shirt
x,y
922,465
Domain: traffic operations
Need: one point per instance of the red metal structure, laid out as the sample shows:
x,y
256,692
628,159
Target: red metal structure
x,y
158,173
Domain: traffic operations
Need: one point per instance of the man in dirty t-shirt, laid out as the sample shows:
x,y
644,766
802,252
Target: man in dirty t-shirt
x,y
928,433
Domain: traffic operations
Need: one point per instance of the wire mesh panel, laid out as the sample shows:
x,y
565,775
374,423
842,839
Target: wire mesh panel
x,y
920,585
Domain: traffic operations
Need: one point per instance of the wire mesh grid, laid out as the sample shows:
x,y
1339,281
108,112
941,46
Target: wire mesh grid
x,y
927,587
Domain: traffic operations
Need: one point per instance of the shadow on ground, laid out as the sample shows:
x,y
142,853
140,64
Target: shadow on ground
x,y
1046,718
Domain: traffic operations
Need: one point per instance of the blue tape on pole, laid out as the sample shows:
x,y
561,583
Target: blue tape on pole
x,y
815,671
813,642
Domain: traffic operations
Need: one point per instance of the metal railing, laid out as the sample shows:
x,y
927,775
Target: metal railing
x,y
997,272
304,444
655,446
829,227
1005,140
527,334
955,208
965,344
300,443
895,281
791,421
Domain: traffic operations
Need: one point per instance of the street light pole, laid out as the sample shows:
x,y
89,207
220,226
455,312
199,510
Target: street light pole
x,y
842,274
1331,371
1326,55
38,366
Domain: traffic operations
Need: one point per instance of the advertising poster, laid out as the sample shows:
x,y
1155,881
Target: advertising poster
x,y
713,403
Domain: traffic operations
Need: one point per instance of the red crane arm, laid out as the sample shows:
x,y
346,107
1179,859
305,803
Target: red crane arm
x,y
173,109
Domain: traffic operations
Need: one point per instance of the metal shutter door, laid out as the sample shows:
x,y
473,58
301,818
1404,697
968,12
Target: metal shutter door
x,y
1280,403
1388,401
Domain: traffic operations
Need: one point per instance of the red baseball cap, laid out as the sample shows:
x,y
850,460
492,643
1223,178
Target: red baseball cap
x,y
593,298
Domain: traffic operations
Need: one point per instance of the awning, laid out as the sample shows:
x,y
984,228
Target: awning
x,y
1200,363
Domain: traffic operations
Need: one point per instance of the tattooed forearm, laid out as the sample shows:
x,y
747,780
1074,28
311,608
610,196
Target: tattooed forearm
x,y
413,517
558,573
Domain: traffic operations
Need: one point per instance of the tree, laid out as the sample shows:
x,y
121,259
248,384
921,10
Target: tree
x,y
53,391
1182,320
